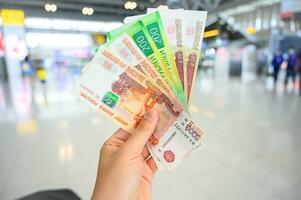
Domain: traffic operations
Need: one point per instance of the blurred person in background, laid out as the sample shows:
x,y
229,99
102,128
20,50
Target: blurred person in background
x,y
298,69
276,62
41,72
42,76
291,65
27,66
28,70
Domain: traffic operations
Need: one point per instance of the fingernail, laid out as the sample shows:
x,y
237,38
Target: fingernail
x,y
151,114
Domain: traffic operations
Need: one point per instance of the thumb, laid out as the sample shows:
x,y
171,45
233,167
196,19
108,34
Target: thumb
x,y
138,139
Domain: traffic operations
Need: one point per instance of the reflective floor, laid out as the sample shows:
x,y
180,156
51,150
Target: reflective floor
x,y
48,140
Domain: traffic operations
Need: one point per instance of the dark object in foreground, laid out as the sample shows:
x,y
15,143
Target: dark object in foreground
x,y
62,194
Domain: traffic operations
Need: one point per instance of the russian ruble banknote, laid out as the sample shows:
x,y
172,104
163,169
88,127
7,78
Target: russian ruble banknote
x,y
150,62
193,29
123,92
184,32
149,35
174,34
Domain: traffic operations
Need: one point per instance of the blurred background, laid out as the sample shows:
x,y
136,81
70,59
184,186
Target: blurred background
x,y
246,97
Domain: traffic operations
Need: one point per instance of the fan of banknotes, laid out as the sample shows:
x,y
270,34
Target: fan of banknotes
x,y
150,62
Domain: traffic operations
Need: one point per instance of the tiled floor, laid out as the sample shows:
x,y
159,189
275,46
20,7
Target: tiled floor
x,y
252,150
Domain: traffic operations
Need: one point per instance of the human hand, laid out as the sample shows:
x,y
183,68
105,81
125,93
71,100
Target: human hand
x,y
126,170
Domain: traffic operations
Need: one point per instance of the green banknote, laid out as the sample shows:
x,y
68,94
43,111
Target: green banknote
x,y
148,44
155,29
173,28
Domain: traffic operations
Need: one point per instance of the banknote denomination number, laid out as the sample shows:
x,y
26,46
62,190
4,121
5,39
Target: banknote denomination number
x,y
154,31
155,35
142,42
190,128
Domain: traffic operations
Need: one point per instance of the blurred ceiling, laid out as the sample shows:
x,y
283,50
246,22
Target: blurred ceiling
x,y
112,10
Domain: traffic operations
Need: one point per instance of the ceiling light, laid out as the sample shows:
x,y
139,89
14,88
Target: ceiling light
x,y
87,11
130,5
54,7
50,7
47,7
162,7
90,11
84,11
127,5
134,5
